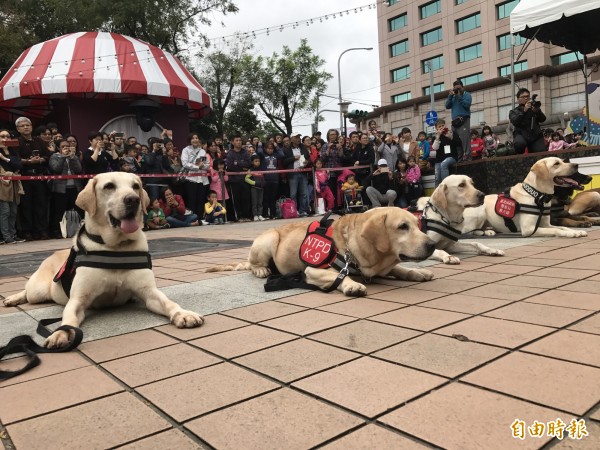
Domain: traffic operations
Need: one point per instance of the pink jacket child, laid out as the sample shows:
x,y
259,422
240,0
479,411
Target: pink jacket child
x,y
413,175
559,145
323,189
217,186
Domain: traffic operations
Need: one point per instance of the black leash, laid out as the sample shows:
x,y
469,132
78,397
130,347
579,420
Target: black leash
x,y
26,344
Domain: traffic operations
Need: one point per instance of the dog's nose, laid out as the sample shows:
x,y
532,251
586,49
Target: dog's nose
x,y
575,166
430,246
480,195
131,201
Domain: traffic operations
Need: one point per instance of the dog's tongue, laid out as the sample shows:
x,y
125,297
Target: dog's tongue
x,y
129,225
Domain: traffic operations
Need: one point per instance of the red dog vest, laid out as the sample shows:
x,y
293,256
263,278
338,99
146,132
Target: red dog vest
x,y
317,249
506,206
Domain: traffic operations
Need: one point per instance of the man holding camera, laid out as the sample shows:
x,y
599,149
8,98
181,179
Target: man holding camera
x,y
526,119
459,101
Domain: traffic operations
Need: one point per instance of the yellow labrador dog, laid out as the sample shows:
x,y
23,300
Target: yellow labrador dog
x,y
444,213
113,204
378,240
541,179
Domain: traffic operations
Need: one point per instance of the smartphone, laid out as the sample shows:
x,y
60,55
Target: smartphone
x,y
202,158
119,135
384,169
35,153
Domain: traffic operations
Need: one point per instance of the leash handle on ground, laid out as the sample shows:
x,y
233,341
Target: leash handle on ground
x,y
26,344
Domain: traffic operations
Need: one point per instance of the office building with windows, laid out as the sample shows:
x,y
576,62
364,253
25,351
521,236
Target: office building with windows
x,y
468,40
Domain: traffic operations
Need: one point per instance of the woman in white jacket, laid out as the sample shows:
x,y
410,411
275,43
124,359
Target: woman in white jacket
x,y
195,159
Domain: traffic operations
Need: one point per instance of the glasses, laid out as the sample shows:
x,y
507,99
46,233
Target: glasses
x,y
524,96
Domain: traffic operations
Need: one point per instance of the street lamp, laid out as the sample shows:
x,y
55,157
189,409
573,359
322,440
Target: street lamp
x,y
340,82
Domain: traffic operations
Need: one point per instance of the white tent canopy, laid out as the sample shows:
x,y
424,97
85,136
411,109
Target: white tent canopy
x,y
572,24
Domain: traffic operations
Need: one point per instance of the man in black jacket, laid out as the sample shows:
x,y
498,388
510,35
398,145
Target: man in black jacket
x,y
296,156
526,119
446,145
238,160
382,191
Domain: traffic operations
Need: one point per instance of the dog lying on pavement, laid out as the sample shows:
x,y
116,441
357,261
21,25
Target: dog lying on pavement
x,y
110,237
377,240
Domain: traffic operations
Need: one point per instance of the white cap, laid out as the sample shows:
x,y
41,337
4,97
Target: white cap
x,y
296,134
382,162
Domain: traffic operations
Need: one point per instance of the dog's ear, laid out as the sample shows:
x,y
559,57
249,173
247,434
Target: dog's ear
x,y
375,233
143,195
439,197
86,199
540,169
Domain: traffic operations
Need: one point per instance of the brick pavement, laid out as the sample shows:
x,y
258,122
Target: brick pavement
x,y
450,363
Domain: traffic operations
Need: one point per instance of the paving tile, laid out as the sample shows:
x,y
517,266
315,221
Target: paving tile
x,y
591,287
374,437
536,281
460,417
466,264
296,359
468,304
590,442
491,259
407,296
375,287
554,272
283,419
570,345
369,386
569,253
13,286
439,354
158,364
50,364
503,291
99,424
199,392
393,282
40,396
162,282
364,336
242,340
171,439
591,325
418,318
568,299
508,269
596,414
442,271
447,285
315,299
479,277
551,316
213,324
557,384
503,333
361,307
593,278
263,311
125,345
307,322
582,263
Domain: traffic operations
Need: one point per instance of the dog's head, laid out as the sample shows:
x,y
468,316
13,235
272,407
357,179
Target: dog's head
x,y
395,231
456,191
116,199
552,171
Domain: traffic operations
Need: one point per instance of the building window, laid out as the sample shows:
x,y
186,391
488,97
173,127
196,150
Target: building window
x,y
503,111
398,22
460,2
439,87
400,74
519,67
468,23
471,79
437,62
399,48
503,10
401,97
504,41
430,9
431,37
565,58
469,53
571,102
392,2
477,118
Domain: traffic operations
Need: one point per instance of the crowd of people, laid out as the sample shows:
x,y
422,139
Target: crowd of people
x,y
216,182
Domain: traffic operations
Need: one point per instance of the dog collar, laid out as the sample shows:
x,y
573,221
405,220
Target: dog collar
x,y
539,197
446,220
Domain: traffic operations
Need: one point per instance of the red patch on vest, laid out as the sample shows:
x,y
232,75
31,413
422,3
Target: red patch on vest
x,y
317,249
506,207
418,215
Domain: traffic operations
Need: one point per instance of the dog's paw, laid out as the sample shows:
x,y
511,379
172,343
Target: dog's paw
x,y
584,224
187,319
261,272
354,290
494,252
575,233
58,339
489,233
15,300
419,275
477,232
451,260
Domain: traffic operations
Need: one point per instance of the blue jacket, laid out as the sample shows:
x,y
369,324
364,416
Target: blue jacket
x,y
460,105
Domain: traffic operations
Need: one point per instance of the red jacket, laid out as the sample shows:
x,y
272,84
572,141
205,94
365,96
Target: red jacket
x,y
180,210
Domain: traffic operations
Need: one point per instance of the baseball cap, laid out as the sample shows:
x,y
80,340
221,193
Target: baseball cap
x,y
296,134
382,162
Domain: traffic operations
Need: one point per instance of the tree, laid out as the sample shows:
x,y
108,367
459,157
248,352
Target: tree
x,y
286,84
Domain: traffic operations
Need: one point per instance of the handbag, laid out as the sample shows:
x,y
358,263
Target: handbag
x,y
289,209
458,122
70,223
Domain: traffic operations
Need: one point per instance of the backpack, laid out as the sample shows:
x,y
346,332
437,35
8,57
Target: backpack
x,y
288,209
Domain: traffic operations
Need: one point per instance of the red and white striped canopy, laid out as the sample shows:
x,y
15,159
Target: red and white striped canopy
x,y
99,63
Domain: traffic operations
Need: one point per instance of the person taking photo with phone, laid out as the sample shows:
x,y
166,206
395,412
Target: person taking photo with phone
x,y
195,160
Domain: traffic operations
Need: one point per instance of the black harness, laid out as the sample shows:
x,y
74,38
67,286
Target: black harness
x,y
539,209
441,227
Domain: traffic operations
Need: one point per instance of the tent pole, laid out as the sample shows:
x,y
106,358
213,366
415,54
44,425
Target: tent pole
x,y
587,98
512,69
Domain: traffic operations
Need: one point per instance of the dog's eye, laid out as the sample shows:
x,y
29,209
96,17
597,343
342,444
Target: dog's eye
x,y
403,226
109,186
135,186
461,185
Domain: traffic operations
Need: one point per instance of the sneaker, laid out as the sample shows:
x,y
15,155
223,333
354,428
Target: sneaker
x,y
256,218
2,242
358,202
18,240
302,214
261,218
204,222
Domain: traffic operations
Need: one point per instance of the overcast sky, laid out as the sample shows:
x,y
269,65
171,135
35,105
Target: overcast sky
x,y
360,69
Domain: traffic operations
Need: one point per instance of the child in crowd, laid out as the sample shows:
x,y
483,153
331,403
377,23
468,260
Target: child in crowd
x,y
175,210
424,150
490,142
557,143
271,189
131,158
215,213
124,166
351,190
322,185
477,145
401,183
413,180
257,183
218,180
156,216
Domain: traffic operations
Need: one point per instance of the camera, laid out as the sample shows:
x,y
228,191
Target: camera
x,y
534,103
445,131
456,91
